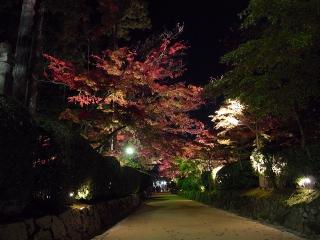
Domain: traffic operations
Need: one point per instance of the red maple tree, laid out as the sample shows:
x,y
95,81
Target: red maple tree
x,y
127,93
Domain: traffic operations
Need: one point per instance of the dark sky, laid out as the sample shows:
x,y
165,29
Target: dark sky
x,y
206,23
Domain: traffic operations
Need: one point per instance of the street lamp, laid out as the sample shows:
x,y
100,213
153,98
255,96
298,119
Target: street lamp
x,y
129,150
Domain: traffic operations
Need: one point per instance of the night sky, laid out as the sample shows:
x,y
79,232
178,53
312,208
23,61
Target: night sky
x,y
206,24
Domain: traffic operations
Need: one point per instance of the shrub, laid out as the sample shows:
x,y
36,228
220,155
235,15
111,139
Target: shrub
x,y
284,166
237,175
299,163
206,180
18,146
189,183
130,180
64,163
145,182
106,175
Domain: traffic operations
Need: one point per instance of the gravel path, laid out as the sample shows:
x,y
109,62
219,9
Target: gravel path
x,y
169,217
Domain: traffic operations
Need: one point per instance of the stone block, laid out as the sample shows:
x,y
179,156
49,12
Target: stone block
x,y
30,226
43,235
44,222
16,231
71,219
57,228
85,223
95,222
293,220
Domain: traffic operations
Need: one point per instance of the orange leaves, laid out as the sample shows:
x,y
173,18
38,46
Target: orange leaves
x,y
112,61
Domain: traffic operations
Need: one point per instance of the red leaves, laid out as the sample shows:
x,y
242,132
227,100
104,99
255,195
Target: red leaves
x,y
131,90
85,99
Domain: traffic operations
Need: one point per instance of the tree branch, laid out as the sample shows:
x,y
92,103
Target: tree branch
x,y
109,136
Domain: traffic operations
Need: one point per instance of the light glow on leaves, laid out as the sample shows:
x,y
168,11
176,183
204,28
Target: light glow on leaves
x,y
124,90
228,116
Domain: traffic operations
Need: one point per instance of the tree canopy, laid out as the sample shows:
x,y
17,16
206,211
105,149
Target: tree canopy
x,y
275,71
129,92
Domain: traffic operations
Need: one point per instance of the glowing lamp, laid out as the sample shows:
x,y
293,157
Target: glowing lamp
x,y
129,150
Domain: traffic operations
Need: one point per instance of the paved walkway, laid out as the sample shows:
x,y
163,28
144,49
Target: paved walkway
x,y
169,217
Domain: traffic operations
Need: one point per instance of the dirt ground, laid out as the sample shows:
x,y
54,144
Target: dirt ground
x,y
167,216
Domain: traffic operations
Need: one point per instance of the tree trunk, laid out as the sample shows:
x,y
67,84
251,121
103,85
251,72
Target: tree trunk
x,y
110,135
303,138
23,49
35,59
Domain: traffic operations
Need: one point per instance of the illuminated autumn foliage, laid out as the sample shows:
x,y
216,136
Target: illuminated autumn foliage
x,y
132,95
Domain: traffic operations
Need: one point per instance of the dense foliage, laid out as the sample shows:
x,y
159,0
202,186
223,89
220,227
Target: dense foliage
x,y
271,91
54,165
19,147
275,72
236,175
132,94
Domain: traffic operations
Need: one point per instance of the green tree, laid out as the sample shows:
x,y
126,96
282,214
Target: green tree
x,y
75,29
276,71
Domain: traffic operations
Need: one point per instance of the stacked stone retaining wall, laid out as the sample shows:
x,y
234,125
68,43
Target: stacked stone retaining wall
x,y
303,220
73,224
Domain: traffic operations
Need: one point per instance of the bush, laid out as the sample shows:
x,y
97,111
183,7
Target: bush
x,y
299,163
206,180
293,163
146,183
106,175
18,146
130,180
189,183
237,175
64,163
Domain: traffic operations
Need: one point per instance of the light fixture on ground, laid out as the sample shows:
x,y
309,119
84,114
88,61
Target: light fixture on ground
x,y
306,182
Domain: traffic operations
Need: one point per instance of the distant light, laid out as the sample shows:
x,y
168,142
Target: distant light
x,y
71,194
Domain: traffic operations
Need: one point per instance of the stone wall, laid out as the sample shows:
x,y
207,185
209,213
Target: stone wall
x,y
303,220
73,224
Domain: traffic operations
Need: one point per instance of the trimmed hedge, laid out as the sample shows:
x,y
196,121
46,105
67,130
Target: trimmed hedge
x,y
106,175
131,180
18,146
43,162
66,161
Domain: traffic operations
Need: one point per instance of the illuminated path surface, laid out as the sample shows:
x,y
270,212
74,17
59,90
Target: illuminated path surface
x,y
170,217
